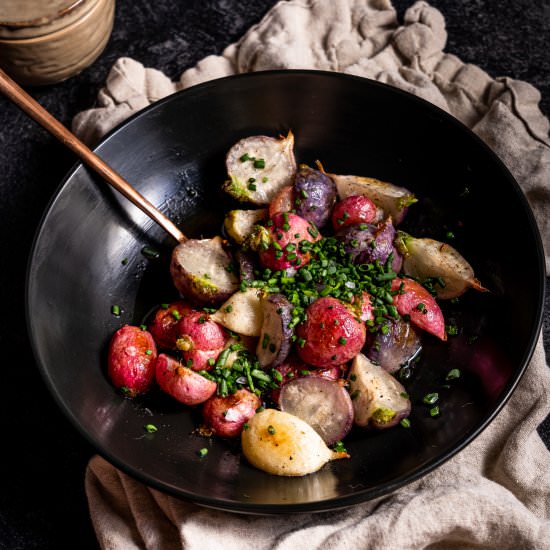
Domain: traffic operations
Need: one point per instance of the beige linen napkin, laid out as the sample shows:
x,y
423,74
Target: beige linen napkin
x,y
496,492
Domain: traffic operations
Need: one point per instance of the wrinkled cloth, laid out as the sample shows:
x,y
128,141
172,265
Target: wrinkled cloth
x,y
496,492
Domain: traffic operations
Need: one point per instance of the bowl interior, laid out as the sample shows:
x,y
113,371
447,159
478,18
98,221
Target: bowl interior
x,y
88,256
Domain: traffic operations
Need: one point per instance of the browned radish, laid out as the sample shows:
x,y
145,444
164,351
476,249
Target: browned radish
x,y
324,404
282,444
202,271
274,344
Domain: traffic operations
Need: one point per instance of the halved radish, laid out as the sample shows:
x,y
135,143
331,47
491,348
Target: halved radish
x,y
274,344
425,258
415,301
394,200
378,398
258,167
201,271
324,404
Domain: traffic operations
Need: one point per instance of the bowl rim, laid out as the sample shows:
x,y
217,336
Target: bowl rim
x,y
334,503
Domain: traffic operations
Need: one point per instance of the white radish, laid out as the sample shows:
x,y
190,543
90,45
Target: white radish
x,y
258,167
282,444
428,258
242,313
240,223
378,398
201,270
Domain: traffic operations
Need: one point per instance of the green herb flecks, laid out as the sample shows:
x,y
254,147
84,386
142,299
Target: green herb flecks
x,y
331,272
242,372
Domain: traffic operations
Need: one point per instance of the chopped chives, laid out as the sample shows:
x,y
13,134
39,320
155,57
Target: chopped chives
x,y
453,374
259,163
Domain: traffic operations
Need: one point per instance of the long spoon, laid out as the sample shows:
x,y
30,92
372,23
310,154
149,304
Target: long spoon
x,y
24,101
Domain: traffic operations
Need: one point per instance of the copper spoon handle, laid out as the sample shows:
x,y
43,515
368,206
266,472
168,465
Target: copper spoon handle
x,y
23,100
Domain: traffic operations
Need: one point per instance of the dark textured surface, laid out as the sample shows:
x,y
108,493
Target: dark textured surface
x,y
42,503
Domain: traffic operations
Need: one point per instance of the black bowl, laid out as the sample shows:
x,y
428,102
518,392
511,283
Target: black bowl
x,y
88,256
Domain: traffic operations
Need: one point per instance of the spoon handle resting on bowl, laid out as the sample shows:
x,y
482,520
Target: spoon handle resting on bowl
x,y
35,111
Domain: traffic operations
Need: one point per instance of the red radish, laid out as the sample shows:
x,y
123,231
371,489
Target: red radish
x,y
132,354
286,233
416,302
353,210
283,201
225,416
331,335
199,339
165,323
183,384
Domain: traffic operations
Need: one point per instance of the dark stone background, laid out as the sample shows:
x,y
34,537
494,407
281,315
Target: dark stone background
x,y
42,502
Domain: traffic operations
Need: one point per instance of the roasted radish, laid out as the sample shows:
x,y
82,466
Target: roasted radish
x,y
240,223
314,195
284,248
164,325
182,383
258,167
393,200
324,404
293,367
354,210
242,313
246,260
225,416
274,343
378,398
331,335
394,347
282,444
427,258
200,340
202,271
283,201
414,300
131,358
368,243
